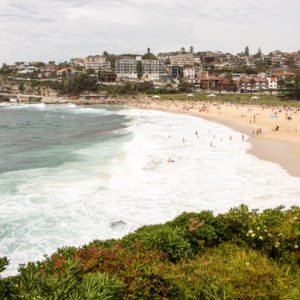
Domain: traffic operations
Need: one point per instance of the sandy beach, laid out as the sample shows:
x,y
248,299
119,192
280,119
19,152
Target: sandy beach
x,y
274,132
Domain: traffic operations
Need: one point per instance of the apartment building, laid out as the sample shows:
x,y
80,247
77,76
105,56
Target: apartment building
x,y
127,68
98,63
180,59
153,69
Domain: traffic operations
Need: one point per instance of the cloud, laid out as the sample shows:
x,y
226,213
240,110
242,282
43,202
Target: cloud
x,y
60,29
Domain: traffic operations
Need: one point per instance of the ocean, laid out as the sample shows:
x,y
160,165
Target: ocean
x,y
72,174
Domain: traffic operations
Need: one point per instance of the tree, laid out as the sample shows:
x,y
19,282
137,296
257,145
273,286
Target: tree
x,y
259,52
192,49
247,51
139,69
105,53
252,83
291,87
39,64
182,49
185,86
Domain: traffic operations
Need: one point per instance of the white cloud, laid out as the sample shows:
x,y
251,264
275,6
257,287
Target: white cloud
x,y
60,29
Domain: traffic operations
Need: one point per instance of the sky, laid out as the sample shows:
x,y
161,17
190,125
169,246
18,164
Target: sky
x,y
44,30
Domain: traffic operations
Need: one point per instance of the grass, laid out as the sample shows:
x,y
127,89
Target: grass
x,y
271,100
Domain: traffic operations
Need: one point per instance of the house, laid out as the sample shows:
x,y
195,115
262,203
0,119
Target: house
x,y
252,84
77,62
272,83
65,72
282,74
189,72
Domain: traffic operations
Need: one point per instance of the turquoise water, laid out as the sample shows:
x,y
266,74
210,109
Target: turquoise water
x,y
38,137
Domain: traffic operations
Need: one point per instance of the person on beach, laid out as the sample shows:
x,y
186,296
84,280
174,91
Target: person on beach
x,y
243,137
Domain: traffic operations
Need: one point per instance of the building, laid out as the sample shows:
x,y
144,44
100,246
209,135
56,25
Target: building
x,y
253,84
77,62
179,59
98,63
65,72
282,74
189,73
153,69
272,83
127,68
174,72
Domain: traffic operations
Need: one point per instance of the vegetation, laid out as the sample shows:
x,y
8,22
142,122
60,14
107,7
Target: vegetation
x,y
241,254
139,69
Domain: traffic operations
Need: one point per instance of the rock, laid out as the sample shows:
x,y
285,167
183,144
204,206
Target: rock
x,y
117,223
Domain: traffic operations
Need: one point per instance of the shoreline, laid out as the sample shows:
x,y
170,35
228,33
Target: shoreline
x,y
282,147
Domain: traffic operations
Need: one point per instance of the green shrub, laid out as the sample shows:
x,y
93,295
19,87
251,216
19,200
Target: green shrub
x,y
168,239
199,229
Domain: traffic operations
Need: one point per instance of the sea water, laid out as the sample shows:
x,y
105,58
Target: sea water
x,y
72,174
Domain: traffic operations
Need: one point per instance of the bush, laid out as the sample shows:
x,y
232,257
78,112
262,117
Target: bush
x,y
168,239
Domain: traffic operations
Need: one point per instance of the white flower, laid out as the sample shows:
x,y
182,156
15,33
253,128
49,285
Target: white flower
x,y
296,246
253,235
247,264
277,244
258,228
261,238
250,231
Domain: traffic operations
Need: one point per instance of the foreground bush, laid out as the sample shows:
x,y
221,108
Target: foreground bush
x,y
242,254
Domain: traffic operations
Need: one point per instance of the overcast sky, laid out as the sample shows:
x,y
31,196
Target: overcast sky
x,y
34,30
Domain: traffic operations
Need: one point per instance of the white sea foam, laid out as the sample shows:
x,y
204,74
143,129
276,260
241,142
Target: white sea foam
x,y
24,105
79,201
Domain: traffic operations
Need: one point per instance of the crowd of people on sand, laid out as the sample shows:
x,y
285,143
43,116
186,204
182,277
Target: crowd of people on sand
x,y
258,117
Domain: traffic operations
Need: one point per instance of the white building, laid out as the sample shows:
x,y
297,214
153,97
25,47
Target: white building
x,y
189,73
153,69
272,83
127,68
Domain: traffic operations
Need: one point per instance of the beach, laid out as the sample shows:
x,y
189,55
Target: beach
x,y
274,132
